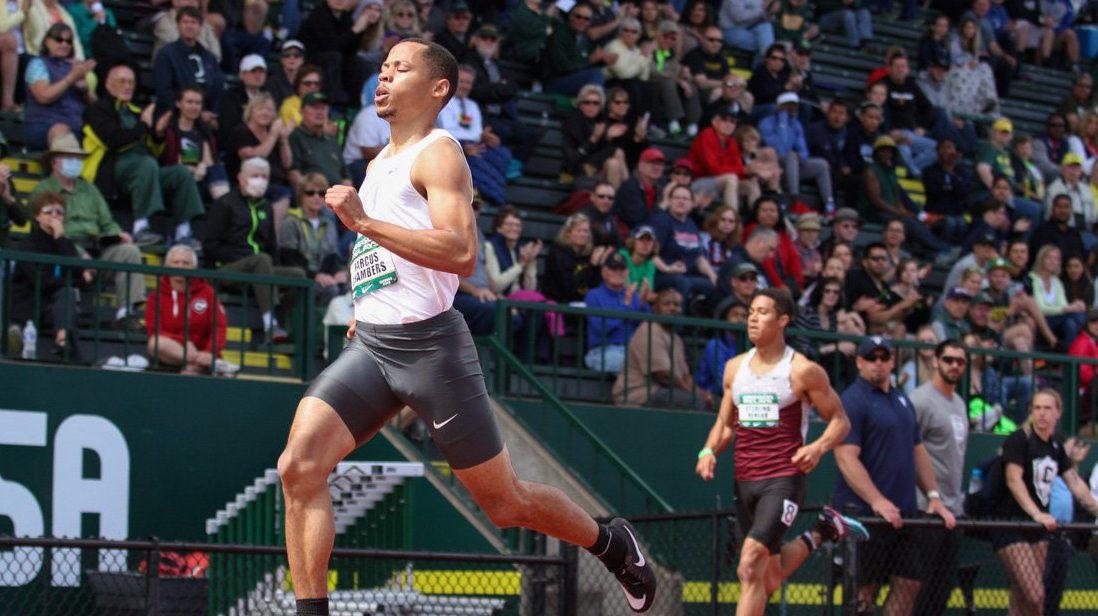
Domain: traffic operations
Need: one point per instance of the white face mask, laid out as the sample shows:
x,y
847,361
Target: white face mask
x,y
71,167
255,187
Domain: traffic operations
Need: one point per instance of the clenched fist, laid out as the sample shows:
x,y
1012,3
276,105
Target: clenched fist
x,y
344,202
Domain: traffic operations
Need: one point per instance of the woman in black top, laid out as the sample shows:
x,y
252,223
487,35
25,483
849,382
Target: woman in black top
x,y
572,265
1032,459
587,147
263,134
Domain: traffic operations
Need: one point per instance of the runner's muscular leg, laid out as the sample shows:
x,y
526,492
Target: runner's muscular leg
x,y
318,440
755,563
510,501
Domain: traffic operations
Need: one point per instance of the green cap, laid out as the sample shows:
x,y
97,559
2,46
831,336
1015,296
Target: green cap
x,y
996,263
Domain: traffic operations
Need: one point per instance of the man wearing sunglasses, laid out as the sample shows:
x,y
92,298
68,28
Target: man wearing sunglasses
x,y
881,462
767,392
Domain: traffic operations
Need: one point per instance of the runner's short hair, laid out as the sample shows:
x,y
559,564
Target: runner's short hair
x,y
440,64
783,301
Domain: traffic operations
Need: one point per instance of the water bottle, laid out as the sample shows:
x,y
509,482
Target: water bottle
x,y
976,482
30,340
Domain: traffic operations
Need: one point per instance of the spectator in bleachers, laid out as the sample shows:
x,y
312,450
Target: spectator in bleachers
x,y
11,41
708,63
307,239
188,141
253,81
626,130
280,82
87,15
843,251
784,132
331,37
852,15
402,21
265,136
313,148
90,225
760,162
721,235
681,263
808,246
117,135
785,264
167,320
800,61
1084,212
1003,64
640,251
512,264
1086,345
1050,146
608,337
821,314
792,22
697,17
826,139
747,25
934,44
656,371
992,218
475,299
40,15
650,16
455,37
858,149
720,348
845,225
910,116
1058,231
495,90
586,148
1031,182
187,63
11,211
677,99
742,281
240,237
571,266
489,160
1079,102
57,88
1064,319
246,35
636,198
893,237
993,159
868,293
1078,283
1014,312
717,164
906,283
527,33
985,249
760,246
732,97
772,79
599,211
365,139
972,77
948,187
1085,140
1057,33
310,78
166,30
431,17
571,59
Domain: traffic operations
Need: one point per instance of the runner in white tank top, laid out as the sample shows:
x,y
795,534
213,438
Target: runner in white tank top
x,y
766,393
417,234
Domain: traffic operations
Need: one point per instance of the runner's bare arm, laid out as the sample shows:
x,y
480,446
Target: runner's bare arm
x,y
810,379
722,434
442,175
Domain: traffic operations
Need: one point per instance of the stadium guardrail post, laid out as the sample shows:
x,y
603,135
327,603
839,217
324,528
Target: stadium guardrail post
x,y
152,579
715,549
850,573
569,583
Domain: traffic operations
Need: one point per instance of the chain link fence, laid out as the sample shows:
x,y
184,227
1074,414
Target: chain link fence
x,y
60,577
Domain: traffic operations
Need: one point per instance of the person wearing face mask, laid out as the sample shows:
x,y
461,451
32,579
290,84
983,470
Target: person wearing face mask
x,y
240,237
89,224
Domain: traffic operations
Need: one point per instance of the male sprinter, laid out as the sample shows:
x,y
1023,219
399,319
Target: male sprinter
x,y
410,347
767,391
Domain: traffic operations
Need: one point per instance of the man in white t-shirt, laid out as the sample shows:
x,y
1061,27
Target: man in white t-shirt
x,y
488,158
367,135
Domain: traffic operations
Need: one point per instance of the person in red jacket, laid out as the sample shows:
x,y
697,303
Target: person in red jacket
x,y
166,321
1086,345
785,264
718,164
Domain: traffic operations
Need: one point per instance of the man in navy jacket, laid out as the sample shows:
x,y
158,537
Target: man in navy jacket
x,y
185,63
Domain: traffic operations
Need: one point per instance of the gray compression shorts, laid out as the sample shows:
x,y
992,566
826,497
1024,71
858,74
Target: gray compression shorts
x,y
430,366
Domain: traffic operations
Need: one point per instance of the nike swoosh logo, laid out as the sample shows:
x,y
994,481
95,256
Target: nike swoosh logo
x,y
634,602
636,546
441,424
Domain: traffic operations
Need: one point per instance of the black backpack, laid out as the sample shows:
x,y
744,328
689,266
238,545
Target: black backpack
x,y
985,502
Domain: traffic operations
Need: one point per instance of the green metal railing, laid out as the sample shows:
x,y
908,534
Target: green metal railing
x,y
561,371
301,320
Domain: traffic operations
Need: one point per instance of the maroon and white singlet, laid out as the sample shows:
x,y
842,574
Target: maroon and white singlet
x,y
771,423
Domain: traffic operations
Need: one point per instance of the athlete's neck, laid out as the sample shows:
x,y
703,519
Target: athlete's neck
x,y
771,352
407,133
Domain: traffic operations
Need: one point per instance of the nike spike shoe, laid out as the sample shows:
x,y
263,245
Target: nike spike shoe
x,y
834,526
635,576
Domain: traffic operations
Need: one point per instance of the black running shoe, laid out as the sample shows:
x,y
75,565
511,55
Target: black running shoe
x,y
635,576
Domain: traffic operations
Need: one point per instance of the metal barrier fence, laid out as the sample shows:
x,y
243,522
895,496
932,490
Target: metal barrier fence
x,y
552,342
60,577
88,307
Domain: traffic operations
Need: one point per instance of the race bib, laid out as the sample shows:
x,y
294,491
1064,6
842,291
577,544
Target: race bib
x,y
372,267
758,410
789,511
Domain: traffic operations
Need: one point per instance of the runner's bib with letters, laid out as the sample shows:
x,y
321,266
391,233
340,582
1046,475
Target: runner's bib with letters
x,y
372,267
758,410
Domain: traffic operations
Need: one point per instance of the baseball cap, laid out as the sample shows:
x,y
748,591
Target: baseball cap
x,y
314,98
251,62
667,26
744,268
873,343
1071,158
1003,124
644,230
959,293
685,163
652,154
803,47
788,98
293,44
460,6
983,298
845,214
987,238
884,141
614,261
487,31
997,263
809,221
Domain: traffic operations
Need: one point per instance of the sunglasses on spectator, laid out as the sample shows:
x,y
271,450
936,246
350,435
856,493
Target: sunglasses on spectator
x,y
747,277
53,211
591,102
62,39
878,357
953,361
313,193
604,195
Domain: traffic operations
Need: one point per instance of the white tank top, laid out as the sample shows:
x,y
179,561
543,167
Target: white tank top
x,y
415,292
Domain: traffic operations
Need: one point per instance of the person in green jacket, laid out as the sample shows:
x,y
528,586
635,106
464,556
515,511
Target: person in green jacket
x,y
527,31
571,59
